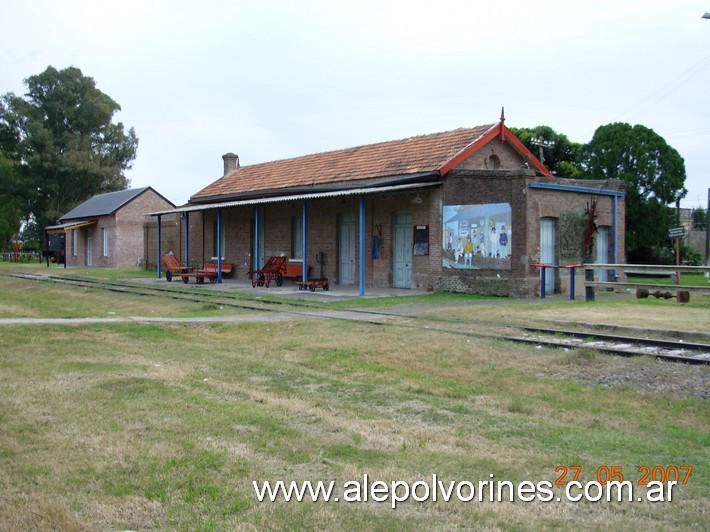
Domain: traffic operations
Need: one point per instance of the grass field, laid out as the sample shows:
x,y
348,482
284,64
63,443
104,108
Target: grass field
x,y
687,279
148,426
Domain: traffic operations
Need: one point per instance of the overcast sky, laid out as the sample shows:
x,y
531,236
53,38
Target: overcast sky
x,y
279,79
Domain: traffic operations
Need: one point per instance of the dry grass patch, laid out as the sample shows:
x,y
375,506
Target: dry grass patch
x,y
149,426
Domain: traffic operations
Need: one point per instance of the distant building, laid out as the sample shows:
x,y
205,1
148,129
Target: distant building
x,y
107,230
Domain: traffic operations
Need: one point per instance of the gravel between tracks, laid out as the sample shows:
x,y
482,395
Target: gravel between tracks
x,y
645,373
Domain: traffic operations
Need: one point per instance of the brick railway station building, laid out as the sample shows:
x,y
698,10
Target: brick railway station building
x,y
470,210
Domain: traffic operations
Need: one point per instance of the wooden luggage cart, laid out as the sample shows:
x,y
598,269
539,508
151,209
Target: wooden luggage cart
x,y
273,270
312,284
173,267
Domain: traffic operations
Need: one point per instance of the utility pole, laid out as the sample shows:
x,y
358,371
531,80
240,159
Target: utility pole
x,y
542,143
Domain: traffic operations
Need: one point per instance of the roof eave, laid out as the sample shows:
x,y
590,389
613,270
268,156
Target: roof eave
x,y
323,187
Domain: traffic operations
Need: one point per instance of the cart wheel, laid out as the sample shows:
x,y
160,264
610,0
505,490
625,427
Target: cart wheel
x,y
169,276
312,288
213,280
185,280
279,279
326,287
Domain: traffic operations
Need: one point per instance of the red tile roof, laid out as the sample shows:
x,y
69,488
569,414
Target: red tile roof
x,y
411,156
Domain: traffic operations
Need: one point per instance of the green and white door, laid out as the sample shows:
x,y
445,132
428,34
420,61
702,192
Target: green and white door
x,y
346,245
402,265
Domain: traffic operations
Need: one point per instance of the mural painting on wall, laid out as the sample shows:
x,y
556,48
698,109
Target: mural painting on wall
x,y
477,236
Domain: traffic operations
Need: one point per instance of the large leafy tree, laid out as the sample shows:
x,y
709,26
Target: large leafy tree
x,y
556,151
10,201
68,149
654,174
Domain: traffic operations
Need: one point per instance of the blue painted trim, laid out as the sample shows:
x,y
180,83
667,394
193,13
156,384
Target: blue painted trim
x,y
160,251
362,245
304,240
574,188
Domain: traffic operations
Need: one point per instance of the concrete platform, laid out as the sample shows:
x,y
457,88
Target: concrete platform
x,y
289,289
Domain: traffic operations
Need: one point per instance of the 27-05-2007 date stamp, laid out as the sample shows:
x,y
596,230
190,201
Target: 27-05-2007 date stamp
x,y
611,480
614,473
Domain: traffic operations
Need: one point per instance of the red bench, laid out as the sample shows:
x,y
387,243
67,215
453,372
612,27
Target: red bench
x,y
294,271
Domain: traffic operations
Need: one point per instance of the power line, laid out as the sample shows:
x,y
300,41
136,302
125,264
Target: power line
x,y
666,89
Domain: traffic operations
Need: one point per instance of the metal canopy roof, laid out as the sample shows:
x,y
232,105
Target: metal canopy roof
x,y
295,197
63,228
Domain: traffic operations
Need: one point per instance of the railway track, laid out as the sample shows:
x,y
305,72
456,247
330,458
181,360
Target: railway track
x,y
679,351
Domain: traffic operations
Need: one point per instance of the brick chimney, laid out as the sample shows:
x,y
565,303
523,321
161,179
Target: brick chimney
x,y
231,163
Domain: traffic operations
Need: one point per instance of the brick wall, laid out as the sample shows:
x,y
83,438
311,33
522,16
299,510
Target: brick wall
x,y
127,247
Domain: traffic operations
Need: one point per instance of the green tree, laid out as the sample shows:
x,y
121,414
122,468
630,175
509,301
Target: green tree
x,y
559,154
10,201
68,148
654,174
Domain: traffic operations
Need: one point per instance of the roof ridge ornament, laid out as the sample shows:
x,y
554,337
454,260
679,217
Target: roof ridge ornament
x,y
502,124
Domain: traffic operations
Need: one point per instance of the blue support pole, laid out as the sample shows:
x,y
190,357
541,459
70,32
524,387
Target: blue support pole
x,y
571,283
187,239
257,251
304,240
219,245
542,282
160,250
362,245
616,246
